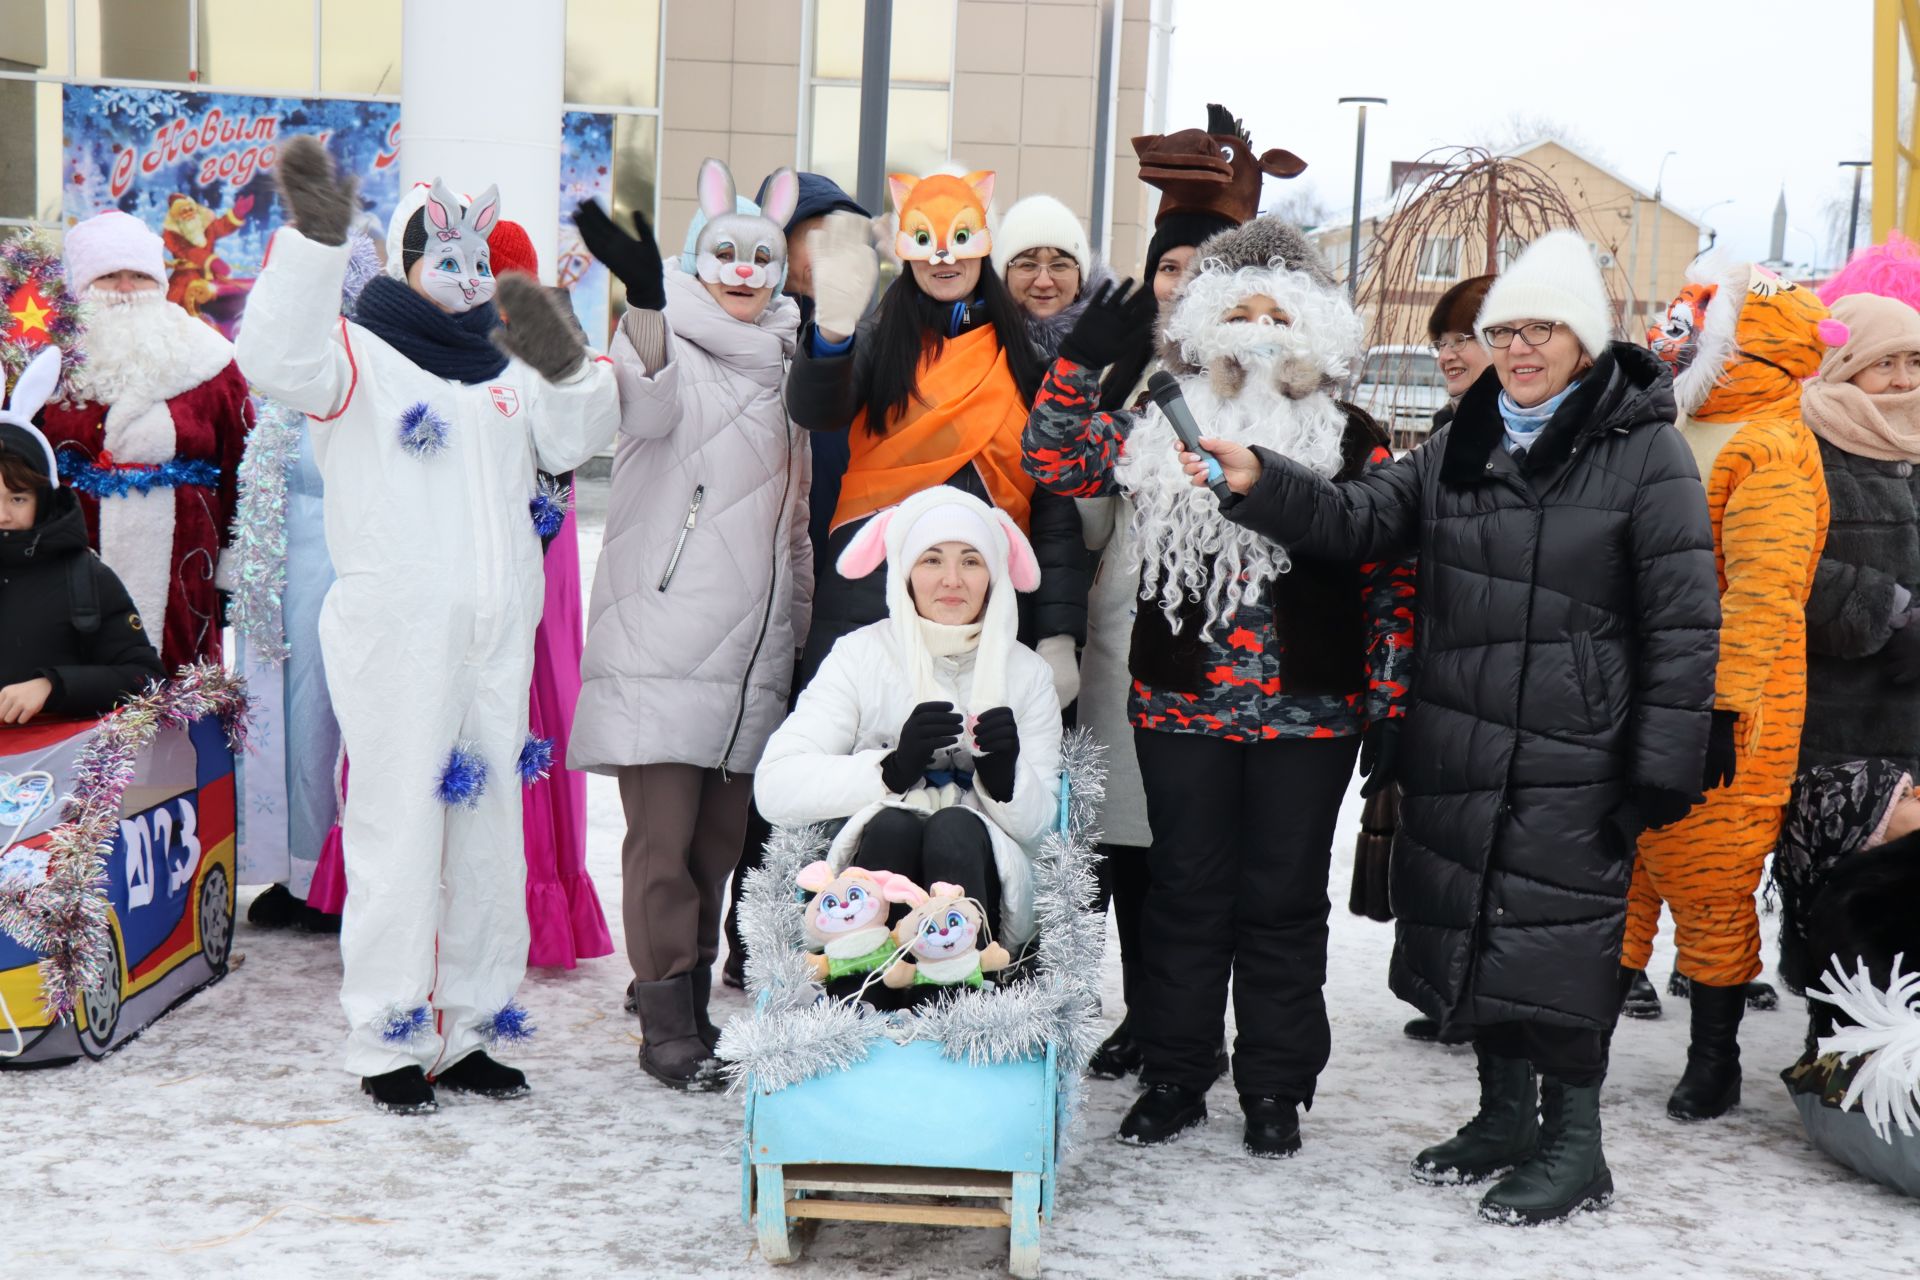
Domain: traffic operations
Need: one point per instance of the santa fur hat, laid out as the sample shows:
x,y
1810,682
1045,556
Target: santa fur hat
x,y
109,242
900,534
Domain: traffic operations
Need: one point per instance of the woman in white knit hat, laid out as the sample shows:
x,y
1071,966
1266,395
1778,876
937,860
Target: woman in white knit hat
x,y
934,732
1041,252
1569,630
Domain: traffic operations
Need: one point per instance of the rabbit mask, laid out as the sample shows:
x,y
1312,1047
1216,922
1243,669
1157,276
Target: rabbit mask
x,y
456,271
736,249
33,389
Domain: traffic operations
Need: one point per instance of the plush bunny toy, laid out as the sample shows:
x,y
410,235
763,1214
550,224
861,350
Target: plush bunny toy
x,y
847,917
754,244
940,935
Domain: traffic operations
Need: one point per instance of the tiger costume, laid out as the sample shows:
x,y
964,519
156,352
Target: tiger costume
x,y
1740,344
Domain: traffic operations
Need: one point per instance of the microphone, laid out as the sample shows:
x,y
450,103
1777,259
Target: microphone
x,y
1164,390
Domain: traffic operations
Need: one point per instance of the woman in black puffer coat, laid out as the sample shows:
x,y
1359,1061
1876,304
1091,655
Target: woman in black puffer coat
x,y
1568,622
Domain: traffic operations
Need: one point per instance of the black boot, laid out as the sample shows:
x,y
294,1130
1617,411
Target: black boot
x,y
1501,1134
673,1051
1679,985
1118,1056
1568,1170
702,993
276,908
1273,1126
1222,1064
734,972
1642,1000
478,1074
1162,1113
1762,996
402,1093
1422,1029
1710,1086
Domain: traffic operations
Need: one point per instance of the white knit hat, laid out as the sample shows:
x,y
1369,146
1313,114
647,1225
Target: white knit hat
x,y
1554,278
109,242
1037,221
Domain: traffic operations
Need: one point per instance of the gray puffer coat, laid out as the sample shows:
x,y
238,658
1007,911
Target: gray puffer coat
x,y
1872,559
1568,625
701,598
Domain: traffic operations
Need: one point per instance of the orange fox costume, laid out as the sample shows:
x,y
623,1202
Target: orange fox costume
x,y
1741,344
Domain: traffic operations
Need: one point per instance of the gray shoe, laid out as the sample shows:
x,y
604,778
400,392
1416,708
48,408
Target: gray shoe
x,y
673,1051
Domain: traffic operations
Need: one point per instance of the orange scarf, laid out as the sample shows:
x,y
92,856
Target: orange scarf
x,y
972,414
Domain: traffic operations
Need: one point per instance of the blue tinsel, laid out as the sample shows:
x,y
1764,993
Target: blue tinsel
x,y
536,760
548,507
510,1024
402,1025
118,482
463,780
423,432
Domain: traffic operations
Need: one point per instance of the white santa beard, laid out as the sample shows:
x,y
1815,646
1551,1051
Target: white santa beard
x,y
1184,547
139,349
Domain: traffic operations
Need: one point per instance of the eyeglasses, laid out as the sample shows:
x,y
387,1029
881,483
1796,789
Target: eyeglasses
x,y
1453,342
1055,267
1537,334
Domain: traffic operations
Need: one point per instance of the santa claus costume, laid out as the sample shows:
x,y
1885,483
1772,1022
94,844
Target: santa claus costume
x,y
150,435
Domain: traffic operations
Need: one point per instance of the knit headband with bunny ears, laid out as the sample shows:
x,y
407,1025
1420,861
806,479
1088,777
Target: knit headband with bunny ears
x,y
31,391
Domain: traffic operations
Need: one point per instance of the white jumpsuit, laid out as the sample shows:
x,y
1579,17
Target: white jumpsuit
x,y
427,635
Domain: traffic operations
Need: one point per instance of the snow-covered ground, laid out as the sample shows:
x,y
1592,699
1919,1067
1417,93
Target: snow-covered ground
x,y
227,1142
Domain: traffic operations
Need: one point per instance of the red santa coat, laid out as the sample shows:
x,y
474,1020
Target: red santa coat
x,y
164,543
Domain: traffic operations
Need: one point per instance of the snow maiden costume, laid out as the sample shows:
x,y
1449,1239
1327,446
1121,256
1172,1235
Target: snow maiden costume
x,y
149,434
427,438
1253,676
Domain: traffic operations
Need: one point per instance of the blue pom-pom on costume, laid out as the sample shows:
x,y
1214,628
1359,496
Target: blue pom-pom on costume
x,y
549,507
536,760
511,1024
402,1025
423,432
463,779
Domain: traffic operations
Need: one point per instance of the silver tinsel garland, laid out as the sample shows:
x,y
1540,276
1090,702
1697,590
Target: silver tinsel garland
x,y
793,1033
259,546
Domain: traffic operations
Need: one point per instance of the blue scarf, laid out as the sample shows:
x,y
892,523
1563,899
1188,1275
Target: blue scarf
x,y
1524,425
445,345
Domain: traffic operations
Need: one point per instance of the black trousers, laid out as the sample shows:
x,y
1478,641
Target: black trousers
x,y
951,845
1574,1055
1242,839
753,851
1122,877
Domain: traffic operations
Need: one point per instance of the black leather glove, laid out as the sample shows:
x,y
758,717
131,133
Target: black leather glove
x,y
1721,755
996,734
1902,652
1378,750
634,260
929,727
1659,807
1110,324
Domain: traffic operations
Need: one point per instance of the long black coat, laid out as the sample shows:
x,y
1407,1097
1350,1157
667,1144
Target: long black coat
x,y
1854,710
92,668
1568,630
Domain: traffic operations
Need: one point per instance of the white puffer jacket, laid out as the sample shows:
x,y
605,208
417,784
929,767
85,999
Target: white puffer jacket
x,y
823,763
705,582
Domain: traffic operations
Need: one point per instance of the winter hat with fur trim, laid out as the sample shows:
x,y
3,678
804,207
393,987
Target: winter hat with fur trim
x,y
109,242
899,534
1037,221
1458,306
1554,278
1873,327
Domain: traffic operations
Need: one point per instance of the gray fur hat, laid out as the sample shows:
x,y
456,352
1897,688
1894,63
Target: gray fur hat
x,y
1268,241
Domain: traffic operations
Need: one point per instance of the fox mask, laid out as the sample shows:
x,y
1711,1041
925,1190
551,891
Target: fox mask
x,y
943,219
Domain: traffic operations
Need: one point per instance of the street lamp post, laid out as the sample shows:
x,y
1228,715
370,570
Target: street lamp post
x,y
1653,274
1713,236
1853,218
1359,171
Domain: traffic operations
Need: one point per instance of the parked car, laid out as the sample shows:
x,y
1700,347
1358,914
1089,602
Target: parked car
x,y
1402,388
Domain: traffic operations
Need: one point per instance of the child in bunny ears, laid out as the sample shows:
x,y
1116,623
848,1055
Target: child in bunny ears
x,y
702,595
431,410
73,644
934,733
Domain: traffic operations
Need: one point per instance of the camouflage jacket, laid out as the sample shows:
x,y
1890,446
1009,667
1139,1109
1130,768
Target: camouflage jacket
x,y
1071,448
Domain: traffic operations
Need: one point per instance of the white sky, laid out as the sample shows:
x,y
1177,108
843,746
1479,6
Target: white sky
x,y
1750,93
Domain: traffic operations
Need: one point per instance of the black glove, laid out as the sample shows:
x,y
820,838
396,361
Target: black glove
x,y
1902,652
1377,752
1110,325
1658,807
930,727
634,260
996,735
1721,755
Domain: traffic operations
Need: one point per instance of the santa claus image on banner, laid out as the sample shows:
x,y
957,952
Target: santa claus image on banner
x,y
149,433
